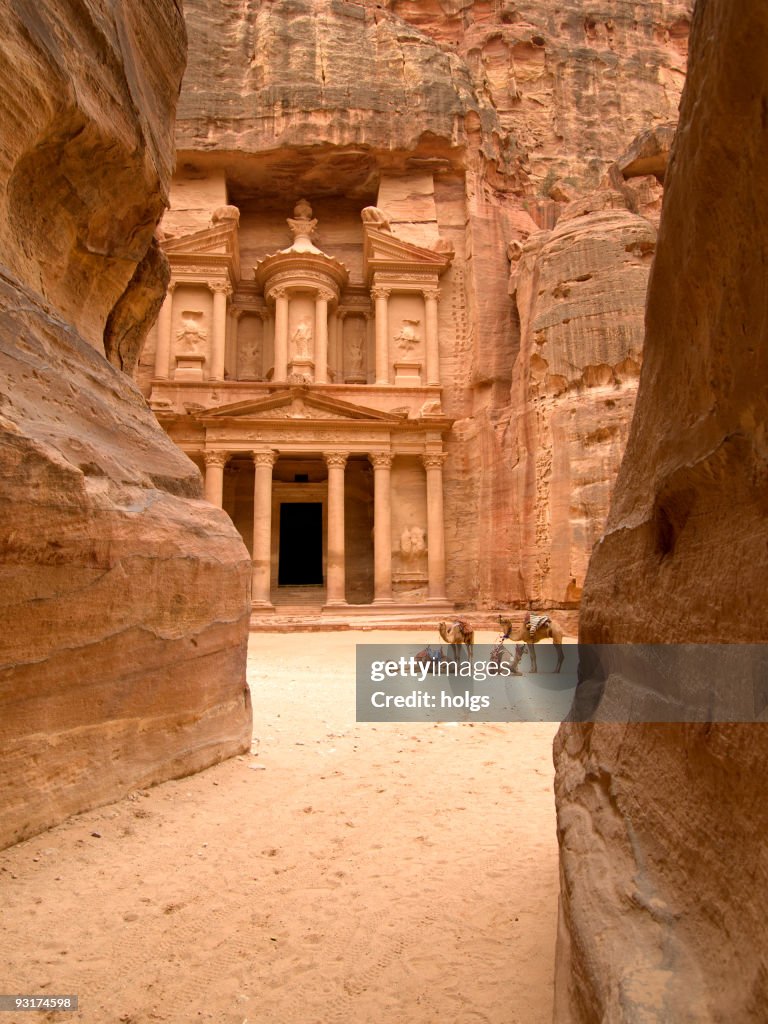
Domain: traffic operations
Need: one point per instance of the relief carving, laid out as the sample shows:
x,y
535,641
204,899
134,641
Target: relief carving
x,y
408,337
302,340
191,337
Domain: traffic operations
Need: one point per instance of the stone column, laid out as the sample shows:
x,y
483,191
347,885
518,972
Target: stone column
x,y
232,344
433,463
382,527
214,477
262,528
321,336
164,325
220,291
281,334
381,295
335,589
431,295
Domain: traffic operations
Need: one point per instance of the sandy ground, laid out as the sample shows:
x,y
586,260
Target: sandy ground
x,y
359,874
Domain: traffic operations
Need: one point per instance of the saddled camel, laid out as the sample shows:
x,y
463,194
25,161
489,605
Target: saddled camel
x,y
457,633
545,628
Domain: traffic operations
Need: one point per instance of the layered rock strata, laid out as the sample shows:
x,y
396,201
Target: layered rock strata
x,y
662,826
124,596
483,124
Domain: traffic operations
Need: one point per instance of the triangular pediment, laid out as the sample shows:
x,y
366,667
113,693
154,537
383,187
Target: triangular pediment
x,y
384,251
220,239
297,404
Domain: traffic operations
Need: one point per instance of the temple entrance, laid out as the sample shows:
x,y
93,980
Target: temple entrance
x,y
301,544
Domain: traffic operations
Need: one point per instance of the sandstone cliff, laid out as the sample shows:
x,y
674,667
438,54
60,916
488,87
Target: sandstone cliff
x,y
662,827
125,597
504,115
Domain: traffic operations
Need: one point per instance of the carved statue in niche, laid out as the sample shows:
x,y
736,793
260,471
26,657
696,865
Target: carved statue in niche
x,y
355,345
408,338
191,336
249,353
302,339
413,543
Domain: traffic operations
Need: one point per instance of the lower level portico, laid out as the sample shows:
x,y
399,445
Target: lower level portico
x,y
341,507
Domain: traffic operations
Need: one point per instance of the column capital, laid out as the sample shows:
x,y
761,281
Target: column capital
x,y
381,460
325,293
172,285
237,312
264,458
216,458
434,460
380,292
431,293
280,292
336,458
220,286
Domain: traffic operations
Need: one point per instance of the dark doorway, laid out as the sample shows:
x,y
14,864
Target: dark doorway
x,y
301,544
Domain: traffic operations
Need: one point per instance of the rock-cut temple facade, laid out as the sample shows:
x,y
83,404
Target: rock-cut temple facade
x,y
307,388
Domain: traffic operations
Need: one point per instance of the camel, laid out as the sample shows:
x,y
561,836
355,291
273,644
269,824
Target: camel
x,y
544,627
457,633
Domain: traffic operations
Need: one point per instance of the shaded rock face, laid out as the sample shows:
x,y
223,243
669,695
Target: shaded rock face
x,y
662,827
124,596
511,114
580,293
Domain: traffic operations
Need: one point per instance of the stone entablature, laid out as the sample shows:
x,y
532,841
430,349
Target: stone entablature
x,y
296,365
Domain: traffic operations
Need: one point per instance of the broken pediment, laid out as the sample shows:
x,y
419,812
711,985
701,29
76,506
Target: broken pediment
x,y
217,244
385,252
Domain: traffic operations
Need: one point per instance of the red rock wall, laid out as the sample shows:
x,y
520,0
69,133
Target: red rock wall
x,y
124,597
662,827
518,111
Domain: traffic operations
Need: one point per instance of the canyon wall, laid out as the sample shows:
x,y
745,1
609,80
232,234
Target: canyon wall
x,y
662,827
485,124
125,598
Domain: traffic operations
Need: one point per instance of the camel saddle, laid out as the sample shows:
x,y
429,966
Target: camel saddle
x,y
533,623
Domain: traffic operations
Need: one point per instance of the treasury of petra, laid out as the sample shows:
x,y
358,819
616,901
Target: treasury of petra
x,y
403,330
333,314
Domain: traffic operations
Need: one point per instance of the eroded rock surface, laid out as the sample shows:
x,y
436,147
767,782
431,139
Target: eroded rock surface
x,y
662,827
124,596
480,123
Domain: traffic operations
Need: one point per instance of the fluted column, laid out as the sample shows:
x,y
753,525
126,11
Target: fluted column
x,y
431,295
281,334
381,297
214,477
164,324
220,291
335,584
321,336
262,528
433,464
382,526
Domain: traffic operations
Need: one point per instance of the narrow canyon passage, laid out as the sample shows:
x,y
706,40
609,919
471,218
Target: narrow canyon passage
x,y
341,873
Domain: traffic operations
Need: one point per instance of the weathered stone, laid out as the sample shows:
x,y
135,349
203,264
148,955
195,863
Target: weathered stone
x,y
136,310
472,125
580,293
662,826
124,596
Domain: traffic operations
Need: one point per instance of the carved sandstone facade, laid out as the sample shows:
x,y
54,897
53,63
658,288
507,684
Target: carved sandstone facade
x,y
309,394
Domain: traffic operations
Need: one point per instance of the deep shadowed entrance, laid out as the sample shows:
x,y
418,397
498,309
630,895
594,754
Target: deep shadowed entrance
x,y
301,544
